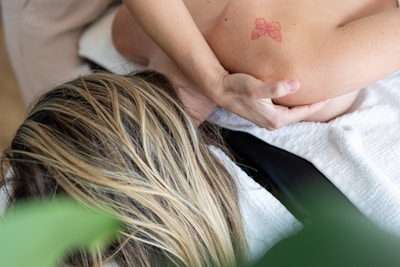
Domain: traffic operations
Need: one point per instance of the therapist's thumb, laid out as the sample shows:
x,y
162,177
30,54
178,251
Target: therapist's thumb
x,y
277,89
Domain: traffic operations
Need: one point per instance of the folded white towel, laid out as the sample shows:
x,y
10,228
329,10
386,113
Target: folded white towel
x,y
358,152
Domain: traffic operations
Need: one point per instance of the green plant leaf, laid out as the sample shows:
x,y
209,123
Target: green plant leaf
x,y
42,233
336,237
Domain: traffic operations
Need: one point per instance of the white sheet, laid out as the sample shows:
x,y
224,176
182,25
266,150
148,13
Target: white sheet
x,y
359,151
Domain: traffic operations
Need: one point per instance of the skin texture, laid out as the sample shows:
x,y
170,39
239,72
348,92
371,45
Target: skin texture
x,y
332,48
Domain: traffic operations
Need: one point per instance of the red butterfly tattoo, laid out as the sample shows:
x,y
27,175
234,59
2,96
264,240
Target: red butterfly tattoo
x,y
262,27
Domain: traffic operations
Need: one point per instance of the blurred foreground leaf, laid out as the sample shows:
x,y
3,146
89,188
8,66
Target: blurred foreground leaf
x,y
337,237
41,234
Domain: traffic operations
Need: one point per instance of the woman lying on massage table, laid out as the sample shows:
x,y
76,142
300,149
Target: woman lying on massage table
x,y
332,48
104,139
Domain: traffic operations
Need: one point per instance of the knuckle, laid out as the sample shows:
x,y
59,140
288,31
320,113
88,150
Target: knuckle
x,y
251,91
275,90
272,125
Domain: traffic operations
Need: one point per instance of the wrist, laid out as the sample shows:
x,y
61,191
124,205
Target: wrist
x,y
212,81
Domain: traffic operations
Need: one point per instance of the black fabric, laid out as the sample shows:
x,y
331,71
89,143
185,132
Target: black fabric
x,y
291,179
94,66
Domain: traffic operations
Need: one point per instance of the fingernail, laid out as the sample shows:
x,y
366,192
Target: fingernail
x,y
292,85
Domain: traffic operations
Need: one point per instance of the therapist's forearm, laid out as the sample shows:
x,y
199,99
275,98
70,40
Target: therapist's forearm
x,y
171,26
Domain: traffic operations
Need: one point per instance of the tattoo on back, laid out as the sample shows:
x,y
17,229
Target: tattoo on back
x,y
262,28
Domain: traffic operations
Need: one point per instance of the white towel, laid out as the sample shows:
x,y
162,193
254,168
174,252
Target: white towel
x,y
266,221
358,152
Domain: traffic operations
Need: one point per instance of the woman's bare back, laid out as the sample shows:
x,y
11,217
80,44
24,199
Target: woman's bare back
x,y
272,41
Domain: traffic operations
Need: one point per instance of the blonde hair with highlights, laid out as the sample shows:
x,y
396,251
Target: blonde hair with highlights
x,y
127,142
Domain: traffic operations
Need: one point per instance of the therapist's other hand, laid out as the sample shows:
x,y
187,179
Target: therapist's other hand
x,y
251,99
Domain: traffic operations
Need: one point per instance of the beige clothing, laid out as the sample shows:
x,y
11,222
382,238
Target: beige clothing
x,y
42,39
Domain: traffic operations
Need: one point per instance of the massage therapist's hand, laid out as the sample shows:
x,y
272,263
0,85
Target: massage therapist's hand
x,y
251,99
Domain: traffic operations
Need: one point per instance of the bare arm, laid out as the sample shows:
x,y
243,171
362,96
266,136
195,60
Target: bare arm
x,y
174,30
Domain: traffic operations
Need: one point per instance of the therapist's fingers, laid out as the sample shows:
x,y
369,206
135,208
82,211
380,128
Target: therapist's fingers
x,y
251,99
274,90
243,84
285,115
